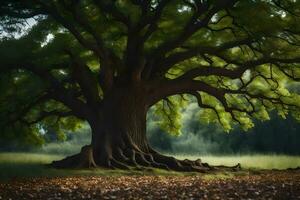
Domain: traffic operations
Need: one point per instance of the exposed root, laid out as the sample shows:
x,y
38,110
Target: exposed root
x,y
294,169
236,167
115,164
84,159
136,159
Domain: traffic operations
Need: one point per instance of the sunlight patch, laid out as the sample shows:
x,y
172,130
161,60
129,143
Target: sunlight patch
x,y
48,39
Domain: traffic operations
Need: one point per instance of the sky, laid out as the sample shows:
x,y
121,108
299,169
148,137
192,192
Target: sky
x,y
27,25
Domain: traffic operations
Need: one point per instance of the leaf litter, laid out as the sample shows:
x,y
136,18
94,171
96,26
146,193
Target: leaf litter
x,y
264,184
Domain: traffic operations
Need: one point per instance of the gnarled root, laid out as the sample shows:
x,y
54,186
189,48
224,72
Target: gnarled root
x,y
84,159
133,157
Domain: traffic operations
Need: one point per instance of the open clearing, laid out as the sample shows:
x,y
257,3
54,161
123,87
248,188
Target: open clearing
x,y
24,177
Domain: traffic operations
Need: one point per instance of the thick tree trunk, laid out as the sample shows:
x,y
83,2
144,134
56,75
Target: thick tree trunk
x,y
120,130
119,137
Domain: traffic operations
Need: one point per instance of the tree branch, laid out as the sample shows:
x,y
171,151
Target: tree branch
x,y
88,83
13,117
56,91
45,114
110,8
165,64
54,12
215,71
191,27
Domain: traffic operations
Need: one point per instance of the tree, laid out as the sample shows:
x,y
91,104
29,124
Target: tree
x,y
108,61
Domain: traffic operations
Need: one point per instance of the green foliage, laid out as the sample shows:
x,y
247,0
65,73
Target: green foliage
x,y
275,136
20,137
168,114
90,32
19,88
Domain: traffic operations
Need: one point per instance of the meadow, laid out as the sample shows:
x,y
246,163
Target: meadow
x,y
251,161
27,165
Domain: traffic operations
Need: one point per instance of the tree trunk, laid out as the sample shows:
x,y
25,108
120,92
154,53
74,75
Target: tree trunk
x,y
119,137
120,130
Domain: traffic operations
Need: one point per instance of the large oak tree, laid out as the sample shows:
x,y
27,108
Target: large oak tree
x,y
108,61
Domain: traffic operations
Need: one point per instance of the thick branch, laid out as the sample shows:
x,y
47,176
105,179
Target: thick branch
x,y
184,86
14,116
84,76
152,21
175,58
107,57
81,20
45,114
110,8
191,27
207,71
54,12
56,91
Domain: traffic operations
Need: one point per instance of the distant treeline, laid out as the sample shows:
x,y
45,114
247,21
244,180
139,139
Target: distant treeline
x,y
280,136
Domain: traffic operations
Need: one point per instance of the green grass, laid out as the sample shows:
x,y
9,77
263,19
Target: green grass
x,y
250,161
27,165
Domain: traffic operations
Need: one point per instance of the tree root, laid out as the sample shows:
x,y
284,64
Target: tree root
x,y
84,159
136,159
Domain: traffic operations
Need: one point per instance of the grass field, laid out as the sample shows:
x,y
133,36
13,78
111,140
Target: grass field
x,y
24,165
250,161
28,165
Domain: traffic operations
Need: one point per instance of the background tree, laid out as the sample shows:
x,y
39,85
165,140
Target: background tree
x,y
107,62
275,136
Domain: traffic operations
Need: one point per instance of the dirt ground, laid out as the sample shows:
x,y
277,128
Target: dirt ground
x,y
268,184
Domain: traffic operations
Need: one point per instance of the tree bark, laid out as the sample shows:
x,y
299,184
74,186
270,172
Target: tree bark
x,y
120,128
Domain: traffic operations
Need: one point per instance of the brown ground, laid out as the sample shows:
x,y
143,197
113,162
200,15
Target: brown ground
x,y
251,185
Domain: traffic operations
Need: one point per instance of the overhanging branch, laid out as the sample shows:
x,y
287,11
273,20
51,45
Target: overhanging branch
x,y
166,63
56,90
45,114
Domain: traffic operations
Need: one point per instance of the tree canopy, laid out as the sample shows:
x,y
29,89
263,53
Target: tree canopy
x,y
239,59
